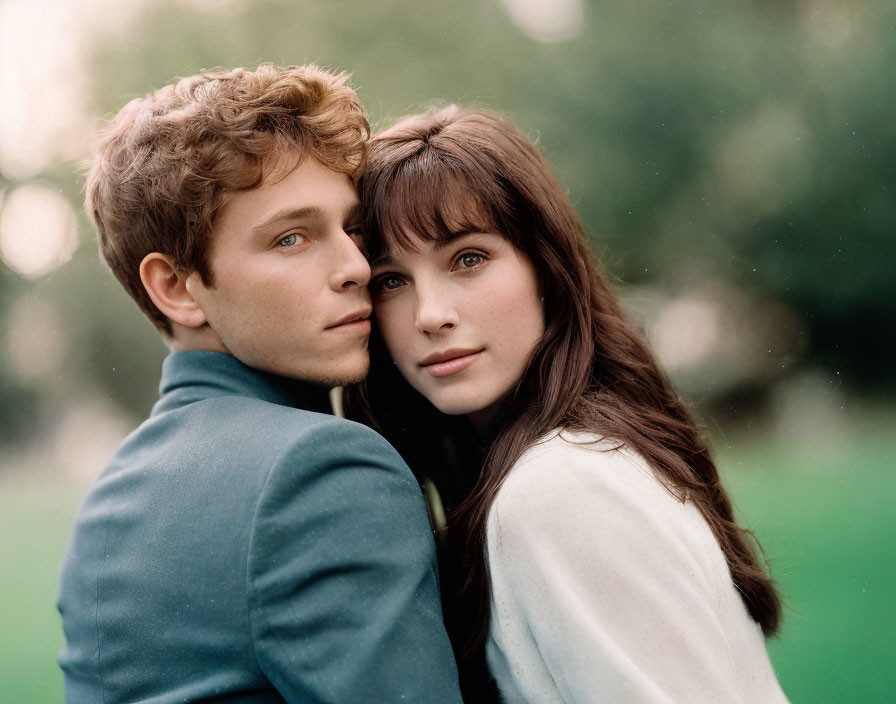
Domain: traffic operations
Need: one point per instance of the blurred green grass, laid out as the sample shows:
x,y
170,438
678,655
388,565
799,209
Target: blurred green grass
x,y
824,515
36,513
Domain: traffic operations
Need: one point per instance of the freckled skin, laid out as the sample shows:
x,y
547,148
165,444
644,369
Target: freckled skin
x,y
477,293
279,287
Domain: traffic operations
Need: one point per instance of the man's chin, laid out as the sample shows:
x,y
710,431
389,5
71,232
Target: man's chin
x,y
336,372
352,378
349,374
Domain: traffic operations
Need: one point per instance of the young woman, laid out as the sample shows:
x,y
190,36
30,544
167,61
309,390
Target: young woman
x,y
590,550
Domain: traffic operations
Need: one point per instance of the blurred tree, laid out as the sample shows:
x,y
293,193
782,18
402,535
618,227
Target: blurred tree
x,y
18,404
700,141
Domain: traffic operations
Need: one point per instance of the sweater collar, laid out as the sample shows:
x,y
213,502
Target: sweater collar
x,y
196,375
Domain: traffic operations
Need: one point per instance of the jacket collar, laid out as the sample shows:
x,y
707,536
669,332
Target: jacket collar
x,y
196,375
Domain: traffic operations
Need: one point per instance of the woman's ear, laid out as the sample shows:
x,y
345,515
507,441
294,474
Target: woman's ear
x,y
167,287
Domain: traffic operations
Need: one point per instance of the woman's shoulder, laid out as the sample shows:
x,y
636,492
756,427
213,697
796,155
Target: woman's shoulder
x,y
570,477
565,461
578,489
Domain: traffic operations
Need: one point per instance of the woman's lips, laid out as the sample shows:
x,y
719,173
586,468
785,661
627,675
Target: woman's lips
x,y
451,366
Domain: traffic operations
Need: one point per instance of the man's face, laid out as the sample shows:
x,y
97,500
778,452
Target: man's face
x,y
290,284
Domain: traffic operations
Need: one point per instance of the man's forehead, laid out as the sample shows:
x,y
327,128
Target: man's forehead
x,y
280,163
310,190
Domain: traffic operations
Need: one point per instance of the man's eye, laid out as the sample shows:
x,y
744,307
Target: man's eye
x,y
290,240
470,260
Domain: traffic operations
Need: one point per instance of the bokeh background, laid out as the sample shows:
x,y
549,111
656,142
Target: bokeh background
x,y
735,163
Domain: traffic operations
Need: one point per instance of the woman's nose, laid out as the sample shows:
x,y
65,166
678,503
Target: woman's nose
x,y
435,311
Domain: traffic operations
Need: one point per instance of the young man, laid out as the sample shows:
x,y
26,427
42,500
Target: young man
x,y
242,545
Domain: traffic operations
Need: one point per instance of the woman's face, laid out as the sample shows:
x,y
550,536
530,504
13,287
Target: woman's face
x,y
460,320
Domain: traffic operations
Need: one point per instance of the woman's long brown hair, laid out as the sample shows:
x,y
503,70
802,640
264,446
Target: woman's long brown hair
x,y
452,169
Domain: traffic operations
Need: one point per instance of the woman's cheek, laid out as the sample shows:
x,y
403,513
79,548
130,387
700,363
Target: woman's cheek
x,y
391,328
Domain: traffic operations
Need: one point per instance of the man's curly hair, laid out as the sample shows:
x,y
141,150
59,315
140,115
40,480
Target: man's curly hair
x,y
168,162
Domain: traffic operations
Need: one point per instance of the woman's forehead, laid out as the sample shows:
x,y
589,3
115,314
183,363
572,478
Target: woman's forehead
x,y
447,210
397,246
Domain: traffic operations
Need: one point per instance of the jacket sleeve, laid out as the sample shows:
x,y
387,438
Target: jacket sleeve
x,y
602,587
342,582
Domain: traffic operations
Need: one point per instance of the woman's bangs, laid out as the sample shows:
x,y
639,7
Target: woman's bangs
x,y
430,205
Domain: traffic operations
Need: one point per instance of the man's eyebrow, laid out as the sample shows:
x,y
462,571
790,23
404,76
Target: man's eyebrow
x,y
311,211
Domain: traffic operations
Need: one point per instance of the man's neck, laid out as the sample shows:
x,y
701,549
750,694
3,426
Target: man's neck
x,y
196,375
203,339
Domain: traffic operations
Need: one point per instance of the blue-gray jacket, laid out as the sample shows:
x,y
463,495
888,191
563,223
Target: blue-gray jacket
x,y
243,547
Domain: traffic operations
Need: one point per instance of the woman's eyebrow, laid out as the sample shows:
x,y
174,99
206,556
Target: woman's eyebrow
x,y
446,240
382,260
451,237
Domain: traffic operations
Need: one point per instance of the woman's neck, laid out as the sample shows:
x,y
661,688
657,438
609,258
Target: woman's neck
x,y
482,420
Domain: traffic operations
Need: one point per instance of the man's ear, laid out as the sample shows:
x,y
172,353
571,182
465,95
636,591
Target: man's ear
x,y
167,287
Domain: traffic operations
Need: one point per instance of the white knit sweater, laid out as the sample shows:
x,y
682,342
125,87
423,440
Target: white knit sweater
x,y
606,588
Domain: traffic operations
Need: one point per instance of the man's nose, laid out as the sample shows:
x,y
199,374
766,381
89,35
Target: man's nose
x,y
351,268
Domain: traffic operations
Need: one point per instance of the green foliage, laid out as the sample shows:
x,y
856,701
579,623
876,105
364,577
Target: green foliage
x,y
704,140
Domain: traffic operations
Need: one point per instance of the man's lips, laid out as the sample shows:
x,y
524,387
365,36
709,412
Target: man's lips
x,y
358,321
439,364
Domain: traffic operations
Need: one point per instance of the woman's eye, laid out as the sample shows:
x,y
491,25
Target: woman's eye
x,y
470,260
388,283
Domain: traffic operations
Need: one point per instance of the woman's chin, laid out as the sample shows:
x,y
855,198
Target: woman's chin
x,y
456,409
479,411
460,406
